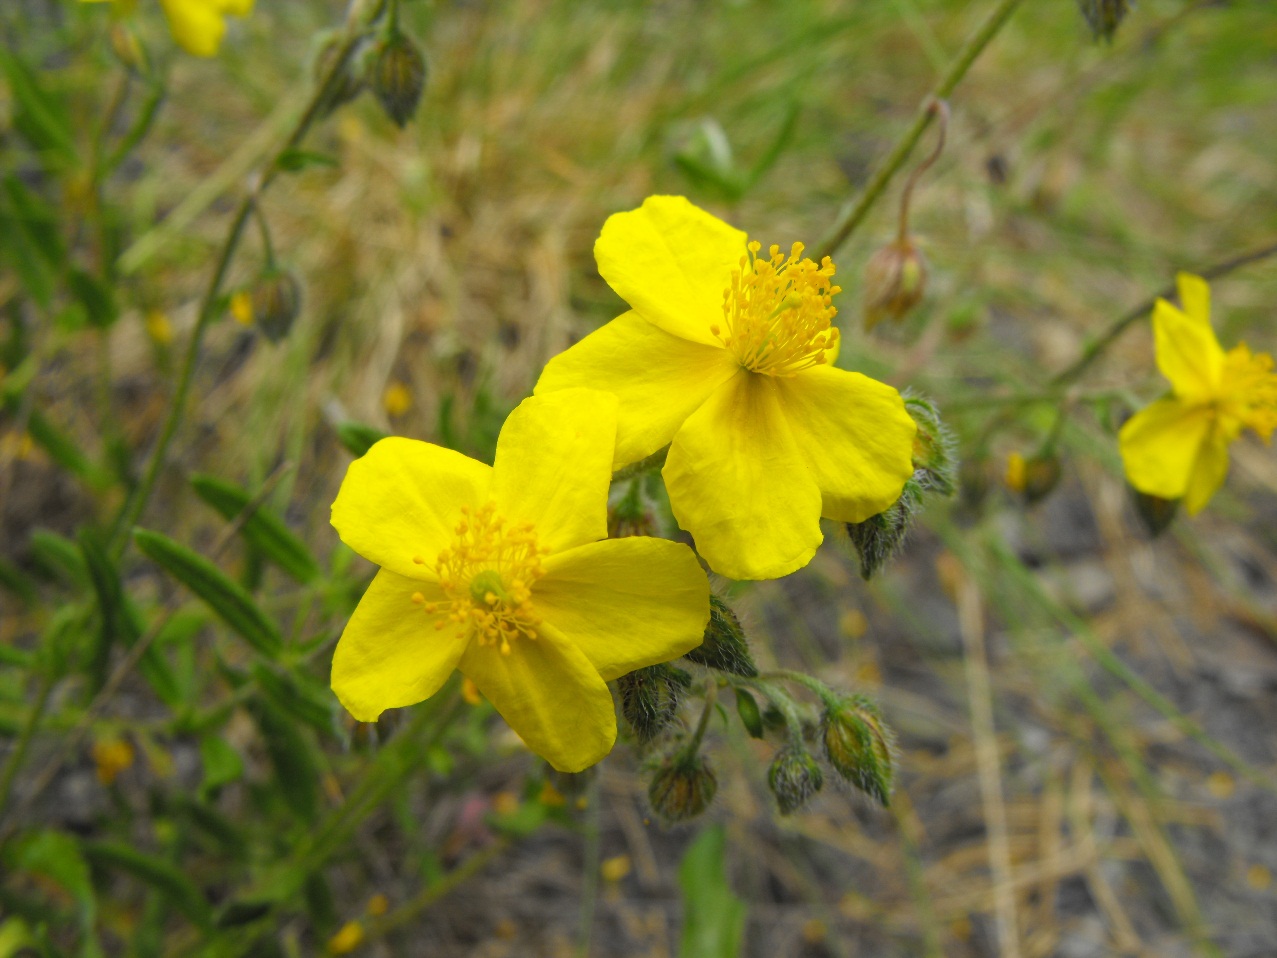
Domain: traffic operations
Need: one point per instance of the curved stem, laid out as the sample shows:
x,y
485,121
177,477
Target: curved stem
x,y
854,213
939,108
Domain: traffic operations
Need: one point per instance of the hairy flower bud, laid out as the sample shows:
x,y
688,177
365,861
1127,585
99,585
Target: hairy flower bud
x,y
276,301
1155,514
682,787
649,699
794,777
724,646
895,280
880,537
934,462
398,78
859,746
1104,16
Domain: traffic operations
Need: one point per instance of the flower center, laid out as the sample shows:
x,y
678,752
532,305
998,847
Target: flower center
x,y
777,312
487,576
1250,391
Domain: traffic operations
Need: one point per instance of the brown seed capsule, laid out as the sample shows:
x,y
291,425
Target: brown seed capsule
x,y
398,78
895,280
1104,16
276,301
682,788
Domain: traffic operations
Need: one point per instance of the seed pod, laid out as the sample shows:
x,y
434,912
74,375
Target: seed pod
x,y
1104,16
859,746
934,462
794,777
649,699
724,646
895,280
682,787
276,299
1155,514
880,537
1041,476
399,77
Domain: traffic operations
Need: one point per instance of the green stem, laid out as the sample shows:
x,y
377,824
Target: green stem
x,y
854,213
694,743
827,695
19,753
590,879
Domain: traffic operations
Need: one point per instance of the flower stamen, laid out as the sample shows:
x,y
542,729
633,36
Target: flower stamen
x,y
778,312
1249,392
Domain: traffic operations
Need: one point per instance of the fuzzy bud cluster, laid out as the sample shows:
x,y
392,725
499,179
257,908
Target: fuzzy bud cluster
x,y
724,647
794,777
650,697
398,77
682,787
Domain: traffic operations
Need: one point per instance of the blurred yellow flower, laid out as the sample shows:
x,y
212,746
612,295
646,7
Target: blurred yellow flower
x,y
242,307
1177,447
111,757
158,327
727,355
498,571
349,937
1015,474
396,400
197,25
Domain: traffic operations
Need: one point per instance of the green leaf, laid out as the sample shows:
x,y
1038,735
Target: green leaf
x,y
29,238
713,917
357,437
295,696
17,582
63,450
165,877
57,557
15,936
39,116
56,856
96,297
222,764
296,771
295,159
232,604
263,530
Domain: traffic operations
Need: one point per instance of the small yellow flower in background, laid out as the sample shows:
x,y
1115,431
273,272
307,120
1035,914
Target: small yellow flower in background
x,y
378,905
242,307
727,355
1259,877
112,756
498,571
1015,474
551,796
614,869
197,25
349,937
158,327
396,400
1221,785
1177,447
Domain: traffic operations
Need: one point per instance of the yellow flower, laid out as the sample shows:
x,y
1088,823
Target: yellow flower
x,y
1177,447
349,937
198,25
498,571
727,355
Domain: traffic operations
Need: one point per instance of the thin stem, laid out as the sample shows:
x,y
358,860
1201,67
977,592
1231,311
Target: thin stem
x,y
938,108
854,213
694,743
1093,352
827,695
590,878
409,910
263,228
19,753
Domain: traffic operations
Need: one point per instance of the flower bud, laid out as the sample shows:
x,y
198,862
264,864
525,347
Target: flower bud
x,y
350,81
859,746
276,300
934,462
682,788
724,646
794,777
1041,476
128,48
398,78
880,537
895,279
649,699
1156,514
1104,16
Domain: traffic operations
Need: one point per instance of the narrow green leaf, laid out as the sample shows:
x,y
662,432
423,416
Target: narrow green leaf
x,y
39,117
56,857
263,530
357,437
293,695
295,160
165,877
57,557
17,582
63,450
713,917
232,604
222,764
750,717
96,297
296,771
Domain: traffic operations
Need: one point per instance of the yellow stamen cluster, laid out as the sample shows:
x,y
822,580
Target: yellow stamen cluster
x,y
778,311
1250,391
487,576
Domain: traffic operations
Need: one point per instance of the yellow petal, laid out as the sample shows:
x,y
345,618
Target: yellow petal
x,y
403,500
626,603
671,261
1194,297
1159,445
390,654
554,466
196,25
550,694
855,436
739,485
235,8
1209,471
1188,354
658,379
